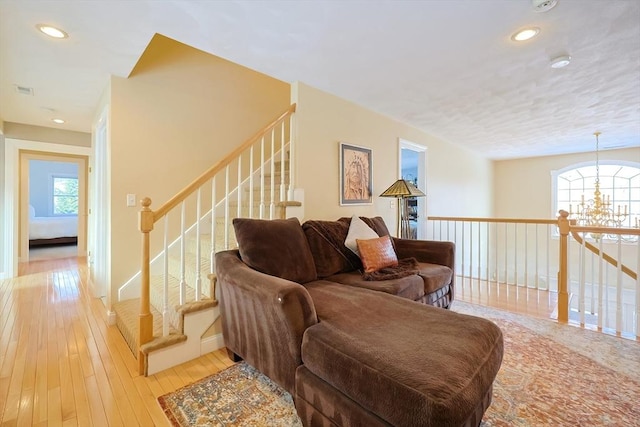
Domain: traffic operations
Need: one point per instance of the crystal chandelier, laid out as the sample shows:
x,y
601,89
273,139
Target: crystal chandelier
x,y
598,211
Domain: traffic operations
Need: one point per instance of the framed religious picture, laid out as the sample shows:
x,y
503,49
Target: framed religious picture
x,y
355,175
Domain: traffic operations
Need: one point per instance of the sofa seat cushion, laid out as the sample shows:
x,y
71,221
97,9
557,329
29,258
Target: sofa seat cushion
x,y
410,287
435,276
409,363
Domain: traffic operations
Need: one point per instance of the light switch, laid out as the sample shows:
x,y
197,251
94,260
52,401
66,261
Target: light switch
x,y
131,200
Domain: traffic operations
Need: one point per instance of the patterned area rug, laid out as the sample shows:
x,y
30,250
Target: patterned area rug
x,y
236,396
551,375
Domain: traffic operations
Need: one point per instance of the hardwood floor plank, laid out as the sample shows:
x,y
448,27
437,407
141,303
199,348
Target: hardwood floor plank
x,y
41,398
83,415
99,407
150,402
62,364
54,405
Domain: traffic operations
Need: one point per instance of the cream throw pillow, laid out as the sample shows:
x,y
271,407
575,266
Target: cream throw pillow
x,y
358,230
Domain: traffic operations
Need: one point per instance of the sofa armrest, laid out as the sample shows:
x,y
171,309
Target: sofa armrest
x,y
431,251
263,317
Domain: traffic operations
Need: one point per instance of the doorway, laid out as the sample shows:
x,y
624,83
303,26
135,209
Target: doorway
x,y
413,168
12,243
52,205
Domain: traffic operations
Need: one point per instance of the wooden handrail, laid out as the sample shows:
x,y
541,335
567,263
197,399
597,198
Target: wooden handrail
x,y
212,171
507,220
148,217
605,256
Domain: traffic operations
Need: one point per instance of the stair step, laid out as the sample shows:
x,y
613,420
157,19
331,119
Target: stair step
x,y
127,315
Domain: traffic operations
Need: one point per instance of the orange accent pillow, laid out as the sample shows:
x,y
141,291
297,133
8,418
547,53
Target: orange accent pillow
x,y
377,253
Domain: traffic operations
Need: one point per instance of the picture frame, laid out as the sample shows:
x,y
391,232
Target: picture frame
x,y
356,175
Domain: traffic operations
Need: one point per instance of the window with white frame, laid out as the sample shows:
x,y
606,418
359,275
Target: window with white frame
x,y
619,187
64,193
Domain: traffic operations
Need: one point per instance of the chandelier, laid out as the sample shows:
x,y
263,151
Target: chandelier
x,y
598,211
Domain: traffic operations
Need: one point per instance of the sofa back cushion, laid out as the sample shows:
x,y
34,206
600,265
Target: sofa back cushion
x,y
326,240
276,247
376,223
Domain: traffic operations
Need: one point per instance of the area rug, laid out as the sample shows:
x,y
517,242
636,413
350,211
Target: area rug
x,y
551,375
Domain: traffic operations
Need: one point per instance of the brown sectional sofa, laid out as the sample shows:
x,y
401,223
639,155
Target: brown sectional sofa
x,y
355,352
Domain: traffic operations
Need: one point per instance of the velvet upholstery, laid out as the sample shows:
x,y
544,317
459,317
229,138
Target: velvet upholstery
x,y
320,404
365,346
334,261
434,276
264,317
410,287
326,241
277,247
354,352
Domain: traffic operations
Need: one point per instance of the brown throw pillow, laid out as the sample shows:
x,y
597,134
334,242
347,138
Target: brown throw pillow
x,y
276,247
377,253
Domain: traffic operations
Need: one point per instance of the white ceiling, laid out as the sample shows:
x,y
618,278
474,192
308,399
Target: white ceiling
x,y
447,67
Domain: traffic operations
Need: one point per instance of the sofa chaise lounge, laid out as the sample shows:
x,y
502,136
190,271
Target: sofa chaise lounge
x,y
355,352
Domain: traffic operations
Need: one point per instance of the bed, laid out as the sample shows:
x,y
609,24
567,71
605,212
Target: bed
x,y
52,230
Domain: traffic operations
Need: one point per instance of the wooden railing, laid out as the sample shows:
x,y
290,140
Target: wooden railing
x,y
272,144
549,255
592,273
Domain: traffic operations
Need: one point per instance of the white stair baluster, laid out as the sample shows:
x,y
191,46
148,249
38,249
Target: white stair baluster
x,y
212,267
600,284
292,157
582,263
526,255
239,187
226,207
262,178
198,246
637,310
272,169
183,282
619,287
165,280
251,171
282,160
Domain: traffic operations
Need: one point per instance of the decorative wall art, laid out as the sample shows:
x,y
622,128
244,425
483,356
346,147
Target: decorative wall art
x,y
355,175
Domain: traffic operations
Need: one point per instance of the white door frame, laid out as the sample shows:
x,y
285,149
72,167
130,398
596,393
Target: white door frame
x,y
24,184
99,259
422,181
12,191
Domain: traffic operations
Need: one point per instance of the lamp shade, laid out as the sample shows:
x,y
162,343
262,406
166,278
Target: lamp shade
x,y
402,188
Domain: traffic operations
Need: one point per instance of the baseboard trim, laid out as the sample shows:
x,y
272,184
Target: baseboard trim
x,y
111,317
212,343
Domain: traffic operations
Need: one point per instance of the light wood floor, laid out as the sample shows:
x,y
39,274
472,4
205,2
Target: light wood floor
x,y
61,364
518,299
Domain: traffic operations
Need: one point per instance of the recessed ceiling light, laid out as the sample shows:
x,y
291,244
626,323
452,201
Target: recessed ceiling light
x,y
51,31
525,34
560,61
58,121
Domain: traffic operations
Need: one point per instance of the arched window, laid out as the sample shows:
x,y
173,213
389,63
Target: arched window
x,y
619,187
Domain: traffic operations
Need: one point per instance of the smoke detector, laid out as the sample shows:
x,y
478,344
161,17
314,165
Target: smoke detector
x,y
543,5
560,61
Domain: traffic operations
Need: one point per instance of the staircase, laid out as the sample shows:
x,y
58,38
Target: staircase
x,y
168,312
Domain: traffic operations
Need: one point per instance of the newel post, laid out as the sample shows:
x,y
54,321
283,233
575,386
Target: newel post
x,y
563,288
145,321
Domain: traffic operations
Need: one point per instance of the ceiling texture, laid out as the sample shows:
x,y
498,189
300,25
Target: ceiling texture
x,y
447,67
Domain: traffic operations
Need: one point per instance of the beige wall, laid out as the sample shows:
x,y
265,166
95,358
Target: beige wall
x,y
179,111
46,134
459,182
523,186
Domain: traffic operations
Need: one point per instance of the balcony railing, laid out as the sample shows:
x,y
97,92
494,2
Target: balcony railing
x,y
590,272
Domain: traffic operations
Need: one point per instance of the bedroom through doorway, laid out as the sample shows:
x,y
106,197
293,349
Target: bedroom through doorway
x,y
52,206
